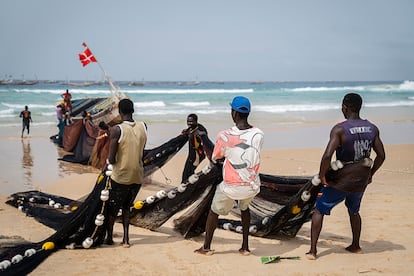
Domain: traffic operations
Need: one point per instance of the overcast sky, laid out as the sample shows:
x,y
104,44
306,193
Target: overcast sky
x,y
221,40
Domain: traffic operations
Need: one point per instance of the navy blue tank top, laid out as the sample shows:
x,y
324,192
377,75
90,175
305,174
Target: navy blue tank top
x,y
359,138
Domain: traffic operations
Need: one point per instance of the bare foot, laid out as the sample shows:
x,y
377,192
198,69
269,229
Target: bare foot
x,y
125,245
244,252
311,256
203,251
354,249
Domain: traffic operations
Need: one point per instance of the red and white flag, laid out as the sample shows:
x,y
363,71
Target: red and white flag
x,y
86,57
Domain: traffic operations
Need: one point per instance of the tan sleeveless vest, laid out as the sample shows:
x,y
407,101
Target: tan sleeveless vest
x,y
128,168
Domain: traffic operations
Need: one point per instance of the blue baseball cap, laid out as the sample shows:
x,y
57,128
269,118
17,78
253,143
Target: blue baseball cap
x,y
241,104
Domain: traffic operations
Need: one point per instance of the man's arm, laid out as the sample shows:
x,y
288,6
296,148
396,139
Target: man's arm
x,y
114,135
380,152
335,140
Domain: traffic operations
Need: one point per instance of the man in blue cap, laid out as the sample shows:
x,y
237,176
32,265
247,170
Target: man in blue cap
x,y
240,148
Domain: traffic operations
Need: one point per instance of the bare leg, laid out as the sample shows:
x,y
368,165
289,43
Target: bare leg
x,y
355,220
110,230
316,227
245,219
211,225
125,224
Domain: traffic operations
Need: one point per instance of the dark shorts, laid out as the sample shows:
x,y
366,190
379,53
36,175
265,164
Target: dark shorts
x,y
331,197
121,197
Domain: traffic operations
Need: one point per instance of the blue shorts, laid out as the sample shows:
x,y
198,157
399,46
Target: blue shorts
x,y
331,197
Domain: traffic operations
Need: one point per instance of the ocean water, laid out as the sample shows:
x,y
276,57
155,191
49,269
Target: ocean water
x,y
292,115
170,102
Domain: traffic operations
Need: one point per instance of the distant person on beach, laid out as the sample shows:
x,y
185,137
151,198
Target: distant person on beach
x,y
240,147
199,145
67,119
67,98
85,116
352,140
26,116
126,149
59,113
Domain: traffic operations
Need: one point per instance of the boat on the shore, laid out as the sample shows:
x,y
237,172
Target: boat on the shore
x,y
96,109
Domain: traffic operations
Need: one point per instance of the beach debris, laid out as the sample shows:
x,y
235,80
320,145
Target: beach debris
x,y
276,259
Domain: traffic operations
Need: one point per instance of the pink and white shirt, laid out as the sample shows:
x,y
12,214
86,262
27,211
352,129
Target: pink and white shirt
x,y
241,150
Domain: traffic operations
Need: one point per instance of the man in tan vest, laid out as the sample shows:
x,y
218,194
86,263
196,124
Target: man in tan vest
x,y
127,143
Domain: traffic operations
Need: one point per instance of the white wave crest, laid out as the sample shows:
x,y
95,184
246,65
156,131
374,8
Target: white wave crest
x,y
192,104
150,104
407,85
188,91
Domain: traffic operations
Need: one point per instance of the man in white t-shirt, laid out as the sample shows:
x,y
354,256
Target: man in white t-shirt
x,y
240,147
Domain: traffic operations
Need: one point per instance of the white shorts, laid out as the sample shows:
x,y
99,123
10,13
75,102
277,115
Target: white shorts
x,y
222,204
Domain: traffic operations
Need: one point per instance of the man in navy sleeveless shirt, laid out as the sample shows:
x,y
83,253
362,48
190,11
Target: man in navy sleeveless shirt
x,y
352,140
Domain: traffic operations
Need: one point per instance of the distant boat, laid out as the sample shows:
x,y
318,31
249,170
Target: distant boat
x,y
25,82
81,84
134,83
188,83
6,81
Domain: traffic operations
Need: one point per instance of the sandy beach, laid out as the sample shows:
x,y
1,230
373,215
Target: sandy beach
x,y
388,246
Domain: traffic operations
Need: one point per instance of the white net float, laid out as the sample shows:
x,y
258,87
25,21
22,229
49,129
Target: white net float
x,y
171,194
29,252
100,217
181,188
368,162
104,197
206,169
252,229
193,179
316,180
161,194
227,226
87,243
339,164
150,199
16,259
305,195
5,264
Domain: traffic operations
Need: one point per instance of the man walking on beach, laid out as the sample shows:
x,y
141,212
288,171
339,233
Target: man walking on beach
x,y
26,116
240,147
199,145
352,140
127,143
